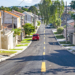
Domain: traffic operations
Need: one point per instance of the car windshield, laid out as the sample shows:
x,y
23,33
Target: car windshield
x,y
35,35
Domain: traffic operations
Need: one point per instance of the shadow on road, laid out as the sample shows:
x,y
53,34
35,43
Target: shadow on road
x,y
53,43
60,57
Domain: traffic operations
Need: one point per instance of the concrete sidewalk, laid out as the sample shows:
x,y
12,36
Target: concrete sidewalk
x,y
69,48
3,58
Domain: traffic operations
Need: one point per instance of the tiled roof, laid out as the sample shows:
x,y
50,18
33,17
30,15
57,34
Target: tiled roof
x,y
11,14
18,13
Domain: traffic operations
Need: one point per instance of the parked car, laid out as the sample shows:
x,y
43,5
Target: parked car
x,y
35,37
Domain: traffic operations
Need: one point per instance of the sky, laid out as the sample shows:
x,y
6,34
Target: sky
x,y
8,3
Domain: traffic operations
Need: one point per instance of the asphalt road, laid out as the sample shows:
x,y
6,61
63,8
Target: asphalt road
x,y
43,57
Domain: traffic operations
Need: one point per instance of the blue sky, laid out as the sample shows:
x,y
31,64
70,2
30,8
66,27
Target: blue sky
x,y
17,2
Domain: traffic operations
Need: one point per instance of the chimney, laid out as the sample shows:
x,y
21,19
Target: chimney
x,y
0,21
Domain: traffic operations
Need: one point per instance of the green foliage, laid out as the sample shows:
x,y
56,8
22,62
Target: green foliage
x,y
38,23
73,16
17,9
64,26
33,9
73,4
58,22
28,28
25,9
60,30
5,8
51,11
17,31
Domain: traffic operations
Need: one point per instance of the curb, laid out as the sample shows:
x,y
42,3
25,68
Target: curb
x,y
3,59
62,45
57,41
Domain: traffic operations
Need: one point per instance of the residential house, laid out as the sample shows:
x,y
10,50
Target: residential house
x,y
70,30
5,36
10,18
22,16
28,17
31,18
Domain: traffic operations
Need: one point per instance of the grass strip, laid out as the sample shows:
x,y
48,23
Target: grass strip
x,y
7,52
64,42
59,36
68,45
16,49
21,45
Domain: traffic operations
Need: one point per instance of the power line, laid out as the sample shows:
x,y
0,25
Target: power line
x,y
21,2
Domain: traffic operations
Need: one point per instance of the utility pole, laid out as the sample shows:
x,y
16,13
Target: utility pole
x,y
21,28
12,22
3,21
66,21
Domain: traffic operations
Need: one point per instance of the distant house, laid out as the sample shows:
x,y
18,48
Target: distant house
x,y
8,19
31,18
22,16
28,17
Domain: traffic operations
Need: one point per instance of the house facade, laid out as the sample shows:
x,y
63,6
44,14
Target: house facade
x,y
22,16
28,17
8,19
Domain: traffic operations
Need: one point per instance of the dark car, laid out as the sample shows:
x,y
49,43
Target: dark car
x,y
35,37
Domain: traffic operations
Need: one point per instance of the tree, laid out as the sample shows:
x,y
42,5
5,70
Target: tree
x,y
51,10
28,28
25,9
33,9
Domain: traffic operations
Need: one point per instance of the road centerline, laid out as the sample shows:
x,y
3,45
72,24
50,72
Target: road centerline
x,y
43,67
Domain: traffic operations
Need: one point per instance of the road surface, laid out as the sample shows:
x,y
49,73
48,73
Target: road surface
x,y
43,57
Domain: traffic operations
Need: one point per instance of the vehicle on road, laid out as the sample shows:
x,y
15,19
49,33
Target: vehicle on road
x,y
35,37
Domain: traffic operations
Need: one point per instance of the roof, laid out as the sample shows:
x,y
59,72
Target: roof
x,y
18,13
0,14
11,14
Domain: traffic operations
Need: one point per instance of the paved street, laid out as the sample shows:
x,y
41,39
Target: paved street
x,y
43,57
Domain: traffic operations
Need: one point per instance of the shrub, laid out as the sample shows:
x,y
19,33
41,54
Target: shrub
x,y
28,28
38,23
60,30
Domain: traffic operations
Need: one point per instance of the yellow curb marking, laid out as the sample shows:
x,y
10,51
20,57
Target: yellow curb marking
x,y
44,47
43,53
43,67
44,37
44,42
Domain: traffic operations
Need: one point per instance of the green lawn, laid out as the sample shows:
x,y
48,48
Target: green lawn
x,y
28,37
56,33
21,45
64,42
16,49
68,45
26,40
7,52
59,36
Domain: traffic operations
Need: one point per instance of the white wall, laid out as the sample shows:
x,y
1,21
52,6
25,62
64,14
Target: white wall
x,y
8,19
29,18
